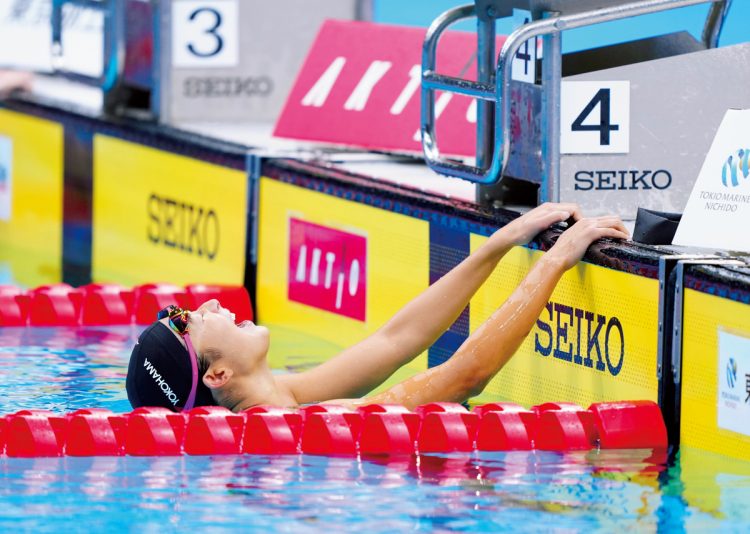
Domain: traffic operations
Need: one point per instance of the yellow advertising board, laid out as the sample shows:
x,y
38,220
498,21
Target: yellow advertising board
x,y
595,341
162,217
331,271
31,199
715,375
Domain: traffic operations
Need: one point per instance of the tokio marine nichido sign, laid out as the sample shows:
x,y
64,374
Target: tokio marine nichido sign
x,y
718,211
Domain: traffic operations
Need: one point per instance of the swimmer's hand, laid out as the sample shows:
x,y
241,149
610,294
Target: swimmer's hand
x,y
527,226
573,242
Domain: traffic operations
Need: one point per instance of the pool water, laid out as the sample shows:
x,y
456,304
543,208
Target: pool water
x,y
66,369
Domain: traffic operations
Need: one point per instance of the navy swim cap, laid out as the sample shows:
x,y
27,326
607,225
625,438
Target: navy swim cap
x,y
160,374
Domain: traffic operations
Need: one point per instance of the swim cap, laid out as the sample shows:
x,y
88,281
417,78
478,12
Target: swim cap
x,y
160,373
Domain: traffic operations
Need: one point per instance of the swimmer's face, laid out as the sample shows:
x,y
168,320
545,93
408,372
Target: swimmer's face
x,y
214,334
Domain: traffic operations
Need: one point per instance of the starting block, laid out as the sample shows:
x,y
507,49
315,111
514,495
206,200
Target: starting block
x,y
614,126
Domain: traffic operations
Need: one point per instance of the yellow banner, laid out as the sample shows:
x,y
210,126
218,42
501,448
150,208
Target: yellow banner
x,y
595,341
322,237
31,199
706,319
161,217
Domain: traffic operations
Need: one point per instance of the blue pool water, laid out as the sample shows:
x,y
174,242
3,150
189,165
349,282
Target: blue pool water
x,y
66,369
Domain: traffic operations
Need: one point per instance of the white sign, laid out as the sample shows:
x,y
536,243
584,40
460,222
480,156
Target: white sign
x,y
595,117
26,36
205,33
718,210
6,177
523,67
734,383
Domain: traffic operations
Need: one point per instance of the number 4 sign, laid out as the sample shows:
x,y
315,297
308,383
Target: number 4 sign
x,y
205,33
523,68
595,117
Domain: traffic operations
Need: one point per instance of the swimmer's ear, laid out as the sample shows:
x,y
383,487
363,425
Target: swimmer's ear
x,y
217,376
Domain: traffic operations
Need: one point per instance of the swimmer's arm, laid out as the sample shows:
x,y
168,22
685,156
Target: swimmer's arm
x,y
484,353
359,369
491,345
488,348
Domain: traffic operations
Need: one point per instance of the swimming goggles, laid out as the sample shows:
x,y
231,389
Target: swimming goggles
x,y
178,321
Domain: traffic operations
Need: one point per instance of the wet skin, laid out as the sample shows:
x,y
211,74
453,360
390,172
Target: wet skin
x,y
238,371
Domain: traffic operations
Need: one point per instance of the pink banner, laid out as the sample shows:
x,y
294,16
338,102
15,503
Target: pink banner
x,y
328,269
360,86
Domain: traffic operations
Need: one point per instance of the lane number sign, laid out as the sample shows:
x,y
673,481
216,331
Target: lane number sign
x,y
523,68
595,117
205,33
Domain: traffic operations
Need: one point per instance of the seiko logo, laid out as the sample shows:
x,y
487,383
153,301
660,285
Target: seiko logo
x,y
228,86
175,224
581,337
622,180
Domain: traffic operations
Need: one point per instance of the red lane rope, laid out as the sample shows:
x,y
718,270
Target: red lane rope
x,y
110,304
334,430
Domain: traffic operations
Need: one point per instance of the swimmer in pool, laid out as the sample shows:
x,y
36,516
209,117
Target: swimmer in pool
x,y
188,359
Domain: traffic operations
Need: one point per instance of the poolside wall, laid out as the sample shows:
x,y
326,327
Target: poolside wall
x,y
596,341
117,201
716,361
158,212
31,198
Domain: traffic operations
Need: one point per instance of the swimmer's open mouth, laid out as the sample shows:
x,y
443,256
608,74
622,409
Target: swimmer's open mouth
x,y
245,324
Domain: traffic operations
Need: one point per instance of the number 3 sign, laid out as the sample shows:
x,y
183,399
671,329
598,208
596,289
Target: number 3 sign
x,y
595,117
205,33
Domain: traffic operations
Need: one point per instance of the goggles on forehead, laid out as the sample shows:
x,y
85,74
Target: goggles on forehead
x,y
178,318
178,321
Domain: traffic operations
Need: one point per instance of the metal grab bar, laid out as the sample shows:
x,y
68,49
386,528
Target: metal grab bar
x,y
714,23
547,26
114,42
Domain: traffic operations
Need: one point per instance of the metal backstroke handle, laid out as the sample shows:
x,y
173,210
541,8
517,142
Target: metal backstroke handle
x,y
497,91
715,22
431,82
114,41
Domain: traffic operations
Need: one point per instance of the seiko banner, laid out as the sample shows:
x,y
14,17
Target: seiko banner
x,y
160,216
594,341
